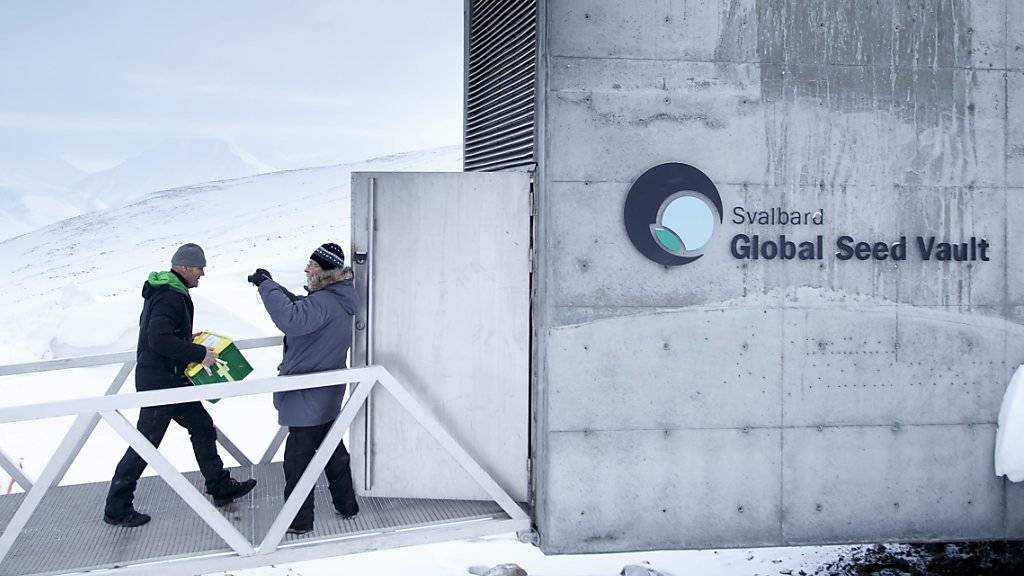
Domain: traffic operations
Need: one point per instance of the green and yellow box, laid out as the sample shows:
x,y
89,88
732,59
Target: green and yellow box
x,y
230,365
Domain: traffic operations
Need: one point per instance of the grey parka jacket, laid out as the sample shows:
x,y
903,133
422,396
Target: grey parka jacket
x,y
317,336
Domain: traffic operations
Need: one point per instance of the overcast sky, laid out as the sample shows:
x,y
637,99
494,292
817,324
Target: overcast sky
x,y
294,83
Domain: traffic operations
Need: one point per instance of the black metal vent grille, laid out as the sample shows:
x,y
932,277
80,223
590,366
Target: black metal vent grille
x,y
500,82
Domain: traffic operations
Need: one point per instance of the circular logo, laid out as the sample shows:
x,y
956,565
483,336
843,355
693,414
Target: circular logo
x,y
671,213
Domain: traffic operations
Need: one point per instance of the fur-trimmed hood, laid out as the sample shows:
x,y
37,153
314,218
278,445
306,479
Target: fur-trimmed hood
x,y
325,278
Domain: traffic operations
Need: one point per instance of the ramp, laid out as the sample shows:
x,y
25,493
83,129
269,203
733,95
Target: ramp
x,y
53,529
67,532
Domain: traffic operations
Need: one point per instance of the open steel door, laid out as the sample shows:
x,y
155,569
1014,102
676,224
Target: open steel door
x,y
442,262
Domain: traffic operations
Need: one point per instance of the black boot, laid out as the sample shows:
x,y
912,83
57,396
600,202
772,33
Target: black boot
x,y
130,520
349,510
231,490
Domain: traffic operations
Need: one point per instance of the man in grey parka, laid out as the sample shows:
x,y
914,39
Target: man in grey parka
x,y
317,335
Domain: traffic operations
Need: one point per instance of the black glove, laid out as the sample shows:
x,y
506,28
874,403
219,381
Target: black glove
x,y
257,277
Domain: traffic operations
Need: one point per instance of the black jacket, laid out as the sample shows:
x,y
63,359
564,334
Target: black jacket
x,y
165,345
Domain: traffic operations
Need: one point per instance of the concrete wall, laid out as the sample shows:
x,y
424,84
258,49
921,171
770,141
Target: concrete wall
x,y
742,403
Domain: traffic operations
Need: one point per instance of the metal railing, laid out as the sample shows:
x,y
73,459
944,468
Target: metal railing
x,y
89,411
127,362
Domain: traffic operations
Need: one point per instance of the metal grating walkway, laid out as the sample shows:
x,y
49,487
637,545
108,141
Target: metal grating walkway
x,y
67,532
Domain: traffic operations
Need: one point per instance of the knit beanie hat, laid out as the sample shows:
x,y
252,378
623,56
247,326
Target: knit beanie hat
x,y
189,255
329,256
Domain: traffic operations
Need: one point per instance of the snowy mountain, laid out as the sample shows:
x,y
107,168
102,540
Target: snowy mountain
x,y
34,191
171,164
32,163
38,188
72,287
26,205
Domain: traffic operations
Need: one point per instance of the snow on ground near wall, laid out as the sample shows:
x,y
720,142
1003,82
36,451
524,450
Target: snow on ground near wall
x,y
73,288
454,558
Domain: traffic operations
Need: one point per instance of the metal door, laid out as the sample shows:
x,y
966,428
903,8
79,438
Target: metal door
x,y
446,308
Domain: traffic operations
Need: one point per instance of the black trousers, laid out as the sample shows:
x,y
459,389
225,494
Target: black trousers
x,y
153,422
298,452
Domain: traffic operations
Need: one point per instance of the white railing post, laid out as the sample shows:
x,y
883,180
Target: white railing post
x,y
232,449
112,358
180,395
17,474
115,386
51,475
179,484
315,467
58,465
275,445
93,420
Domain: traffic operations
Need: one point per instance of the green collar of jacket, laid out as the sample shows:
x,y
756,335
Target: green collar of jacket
x,y
167,279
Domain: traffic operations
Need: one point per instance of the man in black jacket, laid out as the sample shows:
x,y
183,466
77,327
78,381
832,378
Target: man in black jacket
x,y
164,350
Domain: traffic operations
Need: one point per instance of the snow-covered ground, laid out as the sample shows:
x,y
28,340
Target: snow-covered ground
x,y
455,559
72,288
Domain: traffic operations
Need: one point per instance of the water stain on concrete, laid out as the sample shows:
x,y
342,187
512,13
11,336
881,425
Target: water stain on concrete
x,y
838,74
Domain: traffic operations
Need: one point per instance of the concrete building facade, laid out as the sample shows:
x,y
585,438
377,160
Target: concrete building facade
x,y
733,401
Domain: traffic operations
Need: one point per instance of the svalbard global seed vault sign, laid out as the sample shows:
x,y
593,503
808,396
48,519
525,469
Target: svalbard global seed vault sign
x,y
673,211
